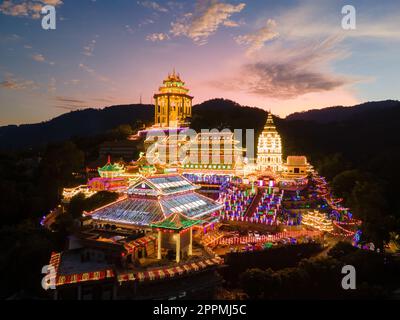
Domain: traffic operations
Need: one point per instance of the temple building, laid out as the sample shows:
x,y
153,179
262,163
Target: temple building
x,y
166,149
145,237
218,152
110,178
111,170
167,202
296,167
173,105
269,151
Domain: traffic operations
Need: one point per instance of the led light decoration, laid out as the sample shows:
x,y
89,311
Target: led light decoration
x,y
317,220
269,151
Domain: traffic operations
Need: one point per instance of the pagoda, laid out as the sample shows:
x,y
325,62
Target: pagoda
x,y
269,151
111,178
173,104
111,170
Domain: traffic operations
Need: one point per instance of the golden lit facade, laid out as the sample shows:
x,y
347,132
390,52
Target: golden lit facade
x,y
296,167
217,151
173,105
317,220
269,151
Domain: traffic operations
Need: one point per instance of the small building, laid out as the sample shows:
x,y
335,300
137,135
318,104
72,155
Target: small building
x,y
296,167
175,233
111,178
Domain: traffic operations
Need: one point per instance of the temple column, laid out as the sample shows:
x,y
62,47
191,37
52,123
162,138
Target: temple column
x,y
191,241
159,245
178,247
155,111
79,292
183,115
168,110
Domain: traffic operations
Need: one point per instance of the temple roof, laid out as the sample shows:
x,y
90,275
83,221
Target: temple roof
x,y
161,185
173,77
176,221
156,198
129,211
111,167
270,125
296,161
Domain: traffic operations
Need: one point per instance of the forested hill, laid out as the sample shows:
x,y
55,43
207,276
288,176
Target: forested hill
x,y
80,123
340,113
215,113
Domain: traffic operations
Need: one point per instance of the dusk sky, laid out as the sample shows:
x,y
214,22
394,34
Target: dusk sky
x,y
283,55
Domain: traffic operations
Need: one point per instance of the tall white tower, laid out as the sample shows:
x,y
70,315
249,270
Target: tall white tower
x,y
269,151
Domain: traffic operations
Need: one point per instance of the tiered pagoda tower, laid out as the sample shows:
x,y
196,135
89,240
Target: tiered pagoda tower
x,y
269,151
173,105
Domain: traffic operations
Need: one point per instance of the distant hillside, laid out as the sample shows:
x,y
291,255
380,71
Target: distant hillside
x,y
215,113
222,113
75,123
340,113
365,135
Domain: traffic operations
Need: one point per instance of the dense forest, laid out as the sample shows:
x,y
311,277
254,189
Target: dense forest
x,y
356,152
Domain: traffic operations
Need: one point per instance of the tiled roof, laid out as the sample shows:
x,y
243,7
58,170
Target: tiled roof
x,y
176,221
140,212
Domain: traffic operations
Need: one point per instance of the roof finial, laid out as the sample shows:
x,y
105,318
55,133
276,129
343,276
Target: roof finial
x,y
109,159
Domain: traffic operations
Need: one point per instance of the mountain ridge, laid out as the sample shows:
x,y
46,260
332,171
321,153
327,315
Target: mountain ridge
x,y
215,113
341,113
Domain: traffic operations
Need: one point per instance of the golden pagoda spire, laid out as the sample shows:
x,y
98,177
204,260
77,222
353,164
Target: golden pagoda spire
x,y
270,122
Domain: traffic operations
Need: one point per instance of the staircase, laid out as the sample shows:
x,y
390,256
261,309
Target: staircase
x,y
255,203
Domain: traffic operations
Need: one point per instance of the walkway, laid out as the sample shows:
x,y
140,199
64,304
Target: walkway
x,y
254,204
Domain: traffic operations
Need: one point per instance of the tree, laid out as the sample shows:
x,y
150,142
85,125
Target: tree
x,y
59,168
331,165
77,205
80,203
121,132
369,203
341,249
252,281
25,249
344,182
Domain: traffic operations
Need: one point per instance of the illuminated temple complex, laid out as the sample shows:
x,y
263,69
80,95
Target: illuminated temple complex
x,y
161,226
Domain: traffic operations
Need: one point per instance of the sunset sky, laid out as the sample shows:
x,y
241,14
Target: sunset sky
x,y
283,55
